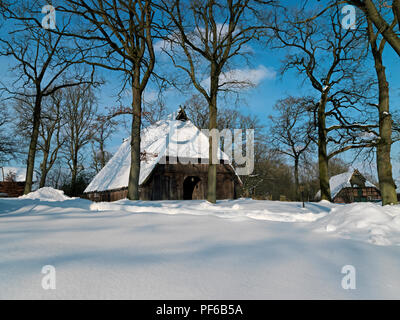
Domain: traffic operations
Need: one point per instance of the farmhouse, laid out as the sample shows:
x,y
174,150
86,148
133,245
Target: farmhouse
x,y
352,186
12,181
174,165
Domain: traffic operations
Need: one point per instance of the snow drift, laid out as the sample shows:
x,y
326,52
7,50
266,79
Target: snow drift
x,y
240,249
227,209
367,222
46,194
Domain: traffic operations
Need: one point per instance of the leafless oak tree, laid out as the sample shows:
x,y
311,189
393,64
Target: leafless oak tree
x,y
103,128
43,64
292,130
384,142
8,146
331,59
118,36
79,111
371,10
204,40
50,138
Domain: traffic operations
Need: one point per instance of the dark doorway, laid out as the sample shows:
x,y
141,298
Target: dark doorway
x,y
188,187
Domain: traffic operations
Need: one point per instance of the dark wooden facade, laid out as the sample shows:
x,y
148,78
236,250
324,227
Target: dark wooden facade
x,y
11,188
358,192
178,182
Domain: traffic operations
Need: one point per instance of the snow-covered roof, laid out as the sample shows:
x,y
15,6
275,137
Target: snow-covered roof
x,y
20,173
170,137
340,181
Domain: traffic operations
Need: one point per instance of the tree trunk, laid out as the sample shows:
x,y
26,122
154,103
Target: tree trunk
x,y
373,14
212,153
33,144
43,177
133,184
43,169
102,159
322,152
396,11
383,149
296,178
74,174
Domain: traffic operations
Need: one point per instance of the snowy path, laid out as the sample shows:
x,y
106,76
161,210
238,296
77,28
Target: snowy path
x,y
195,251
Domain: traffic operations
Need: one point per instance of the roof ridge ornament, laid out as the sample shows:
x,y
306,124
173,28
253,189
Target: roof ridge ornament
x,y
182,116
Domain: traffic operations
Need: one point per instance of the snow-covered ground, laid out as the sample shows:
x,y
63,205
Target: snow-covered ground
x,y
241,249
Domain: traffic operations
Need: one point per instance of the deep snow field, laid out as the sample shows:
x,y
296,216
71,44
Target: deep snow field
x,y
241,249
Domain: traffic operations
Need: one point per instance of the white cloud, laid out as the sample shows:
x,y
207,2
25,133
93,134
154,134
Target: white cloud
x,y
150,95
243,78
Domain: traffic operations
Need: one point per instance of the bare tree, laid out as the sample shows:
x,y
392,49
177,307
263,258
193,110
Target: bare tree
x,y
331,59
373,11
196,108
102,128
154,110
79,110
41,61
8,147
272,178
59,176
384,143
381,21
291,131
51,138
118,36
99,158
209,35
